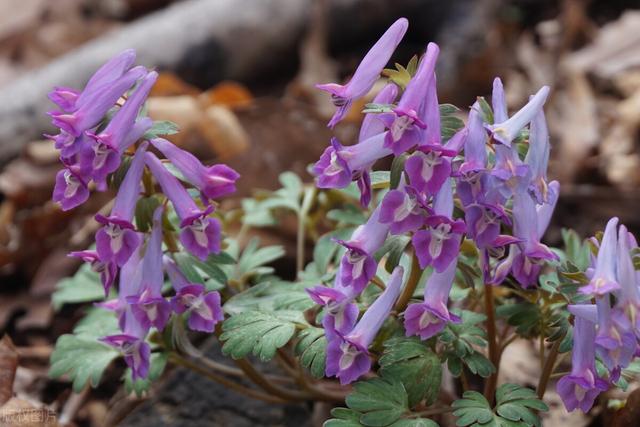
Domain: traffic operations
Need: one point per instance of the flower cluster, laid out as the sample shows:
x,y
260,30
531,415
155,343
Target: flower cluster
x,y
504,198
610,328
100,126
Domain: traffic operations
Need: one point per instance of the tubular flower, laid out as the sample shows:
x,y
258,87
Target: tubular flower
x,y
580,388
69,99
538,158
371,124
212,181
70,189
347,356
200,234
505,131
107,270
628,299
341,312
339,165
405,122
358,266
102,156
117,239
403,210
439,244
604,275
367,72
95,104
149,307
615,343
429,317
131,342
203,308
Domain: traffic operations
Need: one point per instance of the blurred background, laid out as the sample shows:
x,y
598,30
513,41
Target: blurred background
x,y
238,77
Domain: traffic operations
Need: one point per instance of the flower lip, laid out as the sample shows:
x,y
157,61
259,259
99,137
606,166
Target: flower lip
x,y
196,215
106,220
323,295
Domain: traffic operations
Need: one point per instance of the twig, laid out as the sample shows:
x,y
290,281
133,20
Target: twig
x,y
548,368
494,354
179,360
255,376
410,287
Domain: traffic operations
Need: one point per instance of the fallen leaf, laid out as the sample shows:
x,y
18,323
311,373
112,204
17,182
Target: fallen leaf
x,y
8,366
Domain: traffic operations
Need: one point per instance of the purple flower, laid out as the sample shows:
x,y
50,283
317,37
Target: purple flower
x,y
615,341
341,313
429,318
604,275
347,356
204,308
200,234
107,270
580,388
132,340
529,224
358,266
403,210
505,131
538,157
405,123
439,244
483,222
371,124
69,99
475,151
70,190
102,156
338,165
94,105
149,307
135,350
212,181
117,240
367,72
628,303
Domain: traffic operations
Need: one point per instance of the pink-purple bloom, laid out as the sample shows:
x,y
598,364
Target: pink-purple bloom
x,y
117,239
149,307
200,233
581,387
604,276
358,266
203,308
212,181
347,355
438,245
367,72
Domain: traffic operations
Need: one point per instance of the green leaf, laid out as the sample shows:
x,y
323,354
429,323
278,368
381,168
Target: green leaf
x,y
381,401
380,179
373,108
84,286
526,317
140,386
344,418
449,123
515,406
415,365
145,208
401,75
394,246
397,166
312,349
161,127
349,214
485,110
259,333
415,422
253,259
256,214
83,358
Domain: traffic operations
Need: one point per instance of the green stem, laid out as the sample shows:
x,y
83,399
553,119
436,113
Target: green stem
x,y
307,201
410,287
494,352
